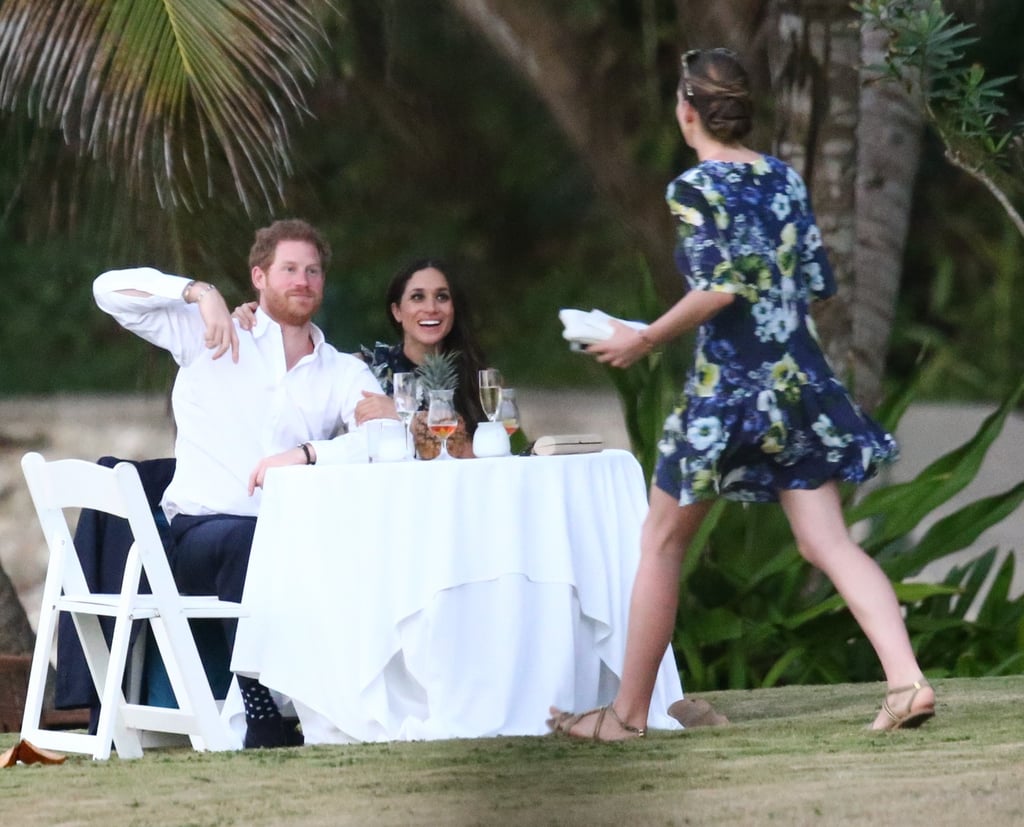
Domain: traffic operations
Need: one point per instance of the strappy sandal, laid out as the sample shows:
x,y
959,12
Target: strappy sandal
x,y
563,722
909,718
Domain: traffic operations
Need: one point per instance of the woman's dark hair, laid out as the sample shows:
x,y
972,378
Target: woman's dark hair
x,y
718,87
460,338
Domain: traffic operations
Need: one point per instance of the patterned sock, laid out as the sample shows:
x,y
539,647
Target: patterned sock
x,y
264,726
256,698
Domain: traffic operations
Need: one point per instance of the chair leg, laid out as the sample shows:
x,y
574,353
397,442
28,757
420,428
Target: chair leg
x,y
191,687
110,728
31,720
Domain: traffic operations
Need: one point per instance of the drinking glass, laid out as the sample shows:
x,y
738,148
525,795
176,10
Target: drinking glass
x,y
490,389
442,420
508,410
406,400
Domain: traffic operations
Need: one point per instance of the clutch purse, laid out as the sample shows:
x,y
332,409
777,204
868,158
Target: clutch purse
x,y
548,446
583,328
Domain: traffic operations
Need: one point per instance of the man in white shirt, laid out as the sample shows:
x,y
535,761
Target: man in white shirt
x,y
283,396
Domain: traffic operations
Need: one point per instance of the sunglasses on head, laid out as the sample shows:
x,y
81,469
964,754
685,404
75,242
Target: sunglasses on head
x,y
691,55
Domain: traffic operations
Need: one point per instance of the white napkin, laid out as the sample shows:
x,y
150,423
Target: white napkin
x,y
346,448
583,328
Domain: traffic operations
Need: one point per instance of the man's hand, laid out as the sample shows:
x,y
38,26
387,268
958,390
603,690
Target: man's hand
x,y
293,456
375,406
221,335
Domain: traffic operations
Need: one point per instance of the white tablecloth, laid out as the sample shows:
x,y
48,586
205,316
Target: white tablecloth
x,y
420,600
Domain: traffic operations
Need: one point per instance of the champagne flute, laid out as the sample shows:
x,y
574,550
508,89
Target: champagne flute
x,y
406,402
508,410
490,390
442,420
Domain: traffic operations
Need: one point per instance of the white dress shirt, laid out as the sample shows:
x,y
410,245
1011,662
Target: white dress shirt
x,y
231,415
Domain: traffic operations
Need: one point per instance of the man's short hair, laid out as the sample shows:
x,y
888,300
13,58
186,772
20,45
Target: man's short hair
x,y
261,254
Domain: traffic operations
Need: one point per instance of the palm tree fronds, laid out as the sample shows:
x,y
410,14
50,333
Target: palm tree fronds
x,y
168,90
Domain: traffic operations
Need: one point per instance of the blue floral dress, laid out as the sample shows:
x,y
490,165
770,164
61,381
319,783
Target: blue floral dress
x,y
384,362
761,409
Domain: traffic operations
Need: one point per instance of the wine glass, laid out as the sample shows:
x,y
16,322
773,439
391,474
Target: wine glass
x,y
442,420
508,410
490,389
404,392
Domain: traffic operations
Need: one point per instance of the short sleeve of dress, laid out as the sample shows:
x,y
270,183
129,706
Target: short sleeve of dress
x,y
814,264
380,361
701,253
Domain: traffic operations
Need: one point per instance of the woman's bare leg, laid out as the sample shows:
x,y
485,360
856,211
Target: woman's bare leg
x,y
816,518
667,531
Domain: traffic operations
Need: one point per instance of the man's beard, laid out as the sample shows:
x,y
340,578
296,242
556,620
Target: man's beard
x,y
277,306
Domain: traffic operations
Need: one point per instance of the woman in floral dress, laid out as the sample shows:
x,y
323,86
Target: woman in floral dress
x,y
762,418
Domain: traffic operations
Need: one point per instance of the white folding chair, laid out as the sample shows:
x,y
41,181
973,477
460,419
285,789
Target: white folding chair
x,y
73,483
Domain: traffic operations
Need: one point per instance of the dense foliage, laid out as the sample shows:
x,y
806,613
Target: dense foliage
x,y
422,140
962,274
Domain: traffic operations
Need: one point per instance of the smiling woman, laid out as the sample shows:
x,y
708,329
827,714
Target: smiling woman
x,y
425,305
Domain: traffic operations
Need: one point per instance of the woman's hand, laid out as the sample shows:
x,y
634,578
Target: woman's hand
x,y
625,346
245,315
375,406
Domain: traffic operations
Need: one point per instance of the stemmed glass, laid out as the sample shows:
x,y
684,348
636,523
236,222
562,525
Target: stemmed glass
x,y
442,420
508,410
406,401
490,390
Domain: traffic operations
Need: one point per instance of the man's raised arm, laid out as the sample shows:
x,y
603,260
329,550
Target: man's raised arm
x,y
162,309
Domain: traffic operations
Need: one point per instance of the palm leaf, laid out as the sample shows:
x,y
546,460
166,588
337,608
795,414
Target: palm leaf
x,y
899,508
167,90
956,531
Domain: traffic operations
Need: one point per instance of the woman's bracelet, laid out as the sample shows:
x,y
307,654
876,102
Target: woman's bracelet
x,y
308,452
646,340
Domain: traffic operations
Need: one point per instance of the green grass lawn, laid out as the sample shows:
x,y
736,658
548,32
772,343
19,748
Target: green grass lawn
x,y
791,756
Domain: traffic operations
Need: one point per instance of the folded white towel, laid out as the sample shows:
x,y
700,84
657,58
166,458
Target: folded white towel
x,y
583,328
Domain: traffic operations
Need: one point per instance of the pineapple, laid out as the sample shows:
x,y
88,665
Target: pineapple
x,y
438,372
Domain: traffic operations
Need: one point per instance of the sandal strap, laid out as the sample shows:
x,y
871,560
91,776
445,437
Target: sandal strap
x,y
916,686
596,734
565,721
639,732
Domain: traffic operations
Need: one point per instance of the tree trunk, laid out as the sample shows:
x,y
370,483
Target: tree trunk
x,y
16,635
814,73
889,151
858,148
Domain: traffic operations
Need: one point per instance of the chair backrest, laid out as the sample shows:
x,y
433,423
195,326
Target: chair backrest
x,y
73,483
62,484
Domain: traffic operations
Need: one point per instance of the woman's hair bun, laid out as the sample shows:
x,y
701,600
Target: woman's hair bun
x,y
720,90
